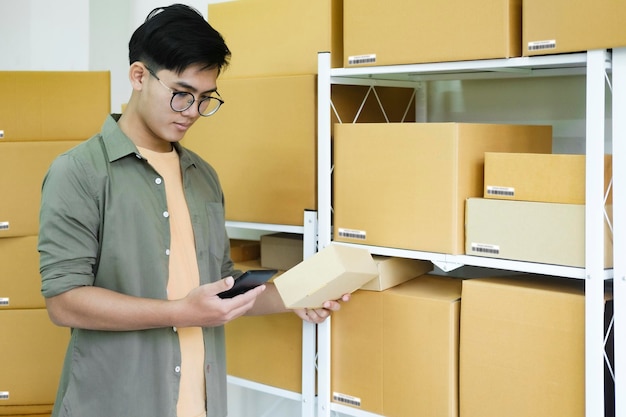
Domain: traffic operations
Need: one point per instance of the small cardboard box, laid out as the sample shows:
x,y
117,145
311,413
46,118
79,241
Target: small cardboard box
x,y
394,271
549,178
522,348
53,105
395,352
32,349
417,177
406,32
326,275
20,282
23,166
558,26
281,251
242,250
548,233
278,37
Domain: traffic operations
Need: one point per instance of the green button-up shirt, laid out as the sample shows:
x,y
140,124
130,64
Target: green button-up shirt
x,y
104,222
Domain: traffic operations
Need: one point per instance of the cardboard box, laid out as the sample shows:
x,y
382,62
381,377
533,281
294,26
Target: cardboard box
x,y
254,344
281,251
242,250
379,33
522,350
53,105
23,166
20,282
556,26
326,275
548,178
548,233
394,271
278,37
395,352
404,185
32,349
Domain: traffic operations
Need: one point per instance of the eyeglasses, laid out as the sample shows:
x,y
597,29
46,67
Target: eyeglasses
x,y
182,100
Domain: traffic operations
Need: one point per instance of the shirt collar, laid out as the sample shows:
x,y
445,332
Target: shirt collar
x,y
118,145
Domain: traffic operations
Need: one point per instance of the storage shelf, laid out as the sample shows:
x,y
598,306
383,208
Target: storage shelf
x,y
455,261
595,66
265,227
267,389
536,66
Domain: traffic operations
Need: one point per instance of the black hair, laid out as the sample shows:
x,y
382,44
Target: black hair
x,y
175,37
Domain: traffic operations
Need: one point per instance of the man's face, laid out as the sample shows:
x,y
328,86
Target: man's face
x,y
162,122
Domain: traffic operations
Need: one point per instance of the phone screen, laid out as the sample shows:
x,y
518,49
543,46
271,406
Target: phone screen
x,y
247,281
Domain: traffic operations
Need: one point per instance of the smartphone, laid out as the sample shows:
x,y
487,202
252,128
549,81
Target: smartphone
x,y
247,281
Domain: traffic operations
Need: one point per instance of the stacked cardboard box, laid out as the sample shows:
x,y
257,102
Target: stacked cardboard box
x,y
408,32
36,127
395,352
533,209
522,347
556,26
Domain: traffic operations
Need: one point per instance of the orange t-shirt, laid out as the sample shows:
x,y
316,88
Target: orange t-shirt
x,y
183,277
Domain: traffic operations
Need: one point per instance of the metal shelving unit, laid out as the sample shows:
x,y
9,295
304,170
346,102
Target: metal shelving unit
x,y
596,66
307,396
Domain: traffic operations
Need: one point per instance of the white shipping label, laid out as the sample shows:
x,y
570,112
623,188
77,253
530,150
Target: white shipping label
x,y
542,45
361,59
4,301
352,234
483,248
346,399
4,226
1,134
500,191
4,395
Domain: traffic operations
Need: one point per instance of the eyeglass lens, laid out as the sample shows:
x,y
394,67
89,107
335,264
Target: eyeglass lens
x,y
181,101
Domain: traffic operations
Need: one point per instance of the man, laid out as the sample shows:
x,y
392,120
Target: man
x,y
133,243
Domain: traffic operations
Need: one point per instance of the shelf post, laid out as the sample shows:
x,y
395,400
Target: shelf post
x,y
324,218
308,329
619,225
594,234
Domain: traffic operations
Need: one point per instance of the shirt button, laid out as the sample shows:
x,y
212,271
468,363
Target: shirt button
x,y
177,369
166,214
138,156
158,181
167,252
175,329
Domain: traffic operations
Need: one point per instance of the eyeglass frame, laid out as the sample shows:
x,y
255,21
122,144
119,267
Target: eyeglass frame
x,y
219,99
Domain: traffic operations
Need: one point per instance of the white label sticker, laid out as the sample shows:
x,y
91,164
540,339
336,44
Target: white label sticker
x,y
542,45
484,248
361,59
1,134
4,226
346,399
500,191
4,301
352,234
4,395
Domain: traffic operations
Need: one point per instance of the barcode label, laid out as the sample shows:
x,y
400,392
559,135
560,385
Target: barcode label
x,y
500,191
352,234
542,45
346,399
361,59
4,302
1,134
4,395
4,225
485,249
